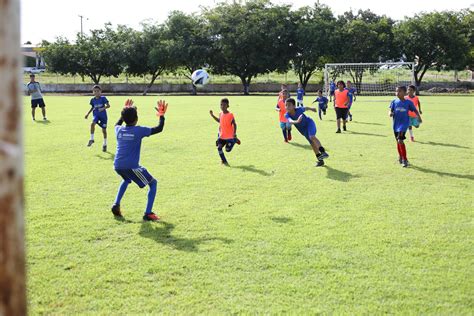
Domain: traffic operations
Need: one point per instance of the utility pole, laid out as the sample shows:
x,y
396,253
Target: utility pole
x,y
82,17
12,250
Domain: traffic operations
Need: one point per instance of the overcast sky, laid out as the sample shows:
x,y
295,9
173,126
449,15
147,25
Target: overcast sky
x,y
48,19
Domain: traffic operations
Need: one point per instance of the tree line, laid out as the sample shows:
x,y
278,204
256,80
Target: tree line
x,y
258,37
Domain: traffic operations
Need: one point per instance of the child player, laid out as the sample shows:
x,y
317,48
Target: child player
x,y
322,103
299,95
99,105
34,89
227,136
127,157
353,91
342,97
413,118
306,127
283,87
284,125
401,120
332,89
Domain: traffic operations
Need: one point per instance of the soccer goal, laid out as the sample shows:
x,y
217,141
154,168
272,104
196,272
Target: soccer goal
x,y
370,78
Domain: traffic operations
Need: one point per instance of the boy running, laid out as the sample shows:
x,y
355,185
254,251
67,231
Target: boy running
x,y
353,91
322,104
284,125
306,127
342,98
99,104
413,118
34,89
227,136
401,120
299,95
127,157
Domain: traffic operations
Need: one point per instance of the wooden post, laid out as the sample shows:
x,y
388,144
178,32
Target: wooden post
x,y
12,254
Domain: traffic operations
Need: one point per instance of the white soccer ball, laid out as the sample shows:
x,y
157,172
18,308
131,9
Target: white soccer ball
x,y
200,78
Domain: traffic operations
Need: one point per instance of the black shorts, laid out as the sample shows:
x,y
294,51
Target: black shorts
x,y
341,113
37,102
227,143
400,135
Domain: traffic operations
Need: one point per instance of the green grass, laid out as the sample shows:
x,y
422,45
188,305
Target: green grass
x,y
271,234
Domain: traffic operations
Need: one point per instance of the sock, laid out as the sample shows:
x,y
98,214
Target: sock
x,y
411,132
403,150
321,149
105,141
319,112
151,196
289,134
221,154
121,191
92,136
285,134
399,150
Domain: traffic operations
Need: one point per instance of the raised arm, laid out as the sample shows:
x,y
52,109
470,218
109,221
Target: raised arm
x,y
159,128
214,117
161,108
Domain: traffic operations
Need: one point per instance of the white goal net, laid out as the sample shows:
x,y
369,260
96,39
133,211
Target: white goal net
x,y
370,78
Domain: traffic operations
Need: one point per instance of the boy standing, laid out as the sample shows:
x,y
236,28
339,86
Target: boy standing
x,y
227,130
299,95
284,125
413,118
332,89
322,104
34,89
99,105
399,111
127,157
306,127
353,91
341,104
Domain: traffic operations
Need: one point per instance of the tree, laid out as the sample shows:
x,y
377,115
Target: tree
x,y
250,39
435,40
365,37
314,43
190,41
148,53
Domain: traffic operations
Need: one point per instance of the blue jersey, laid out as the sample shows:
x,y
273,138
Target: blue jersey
x,y
99,103
332,86
129,141
322,101
299,94
400,109
304,122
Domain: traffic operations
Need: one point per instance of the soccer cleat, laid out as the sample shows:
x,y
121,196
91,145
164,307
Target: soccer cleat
x,y
320,163
89,144
45,119
286,140
116,210
350,117
289,136
152,217
400,160
404,163
344,128
225,163
104,148
412,138
323,155
338,130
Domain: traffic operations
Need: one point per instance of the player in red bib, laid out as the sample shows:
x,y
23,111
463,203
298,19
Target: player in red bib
x,y
342,98
413,117
227,136
284,125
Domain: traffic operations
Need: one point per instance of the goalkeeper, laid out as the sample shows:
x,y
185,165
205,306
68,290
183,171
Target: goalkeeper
x,y
127,156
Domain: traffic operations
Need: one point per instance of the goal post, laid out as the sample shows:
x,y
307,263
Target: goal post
x,y
371,78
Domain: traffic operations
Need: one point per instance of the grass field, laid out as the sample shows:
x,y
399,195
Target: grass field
x,y
271,234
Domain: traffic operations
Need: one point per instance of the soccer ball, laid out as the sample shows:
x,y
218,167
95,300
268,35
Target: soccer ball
x,y
200,78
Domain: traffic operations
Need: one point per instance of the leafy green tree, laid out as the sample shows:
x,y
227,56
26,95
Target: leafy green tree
x,y
190,41
60,56
250,39
314,40
436,40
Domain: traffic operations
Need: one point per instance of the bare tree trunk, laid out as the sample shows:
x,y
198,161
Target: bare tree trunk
x,y
12,258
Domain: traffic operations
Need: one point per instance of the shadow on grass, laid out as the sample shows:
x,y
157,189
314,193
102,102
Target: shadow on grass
x,y
161,233
281,220
305,146
338,175
123,220
443,144
43,122
443,174
359,122
365,134
109,156
251,168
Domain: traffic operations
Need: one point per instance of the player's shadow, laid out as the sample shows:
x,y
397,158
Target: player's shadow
x,y
365,134
305,146
443,174
338,175
366,123
251,168
161,233
43,122
443,144
281,220
109,156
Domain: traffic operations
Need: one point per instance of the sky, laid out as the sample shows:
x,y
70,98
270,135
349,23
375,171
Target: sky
x,y
48,19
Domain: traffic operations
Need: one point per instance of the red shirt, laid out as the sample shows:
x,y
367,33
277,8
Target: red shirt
x,y
281,106
226,128
341,97
416,102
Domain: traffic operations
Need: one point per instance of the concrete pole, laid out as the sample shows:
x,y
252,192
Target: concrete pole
x,y
12,250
